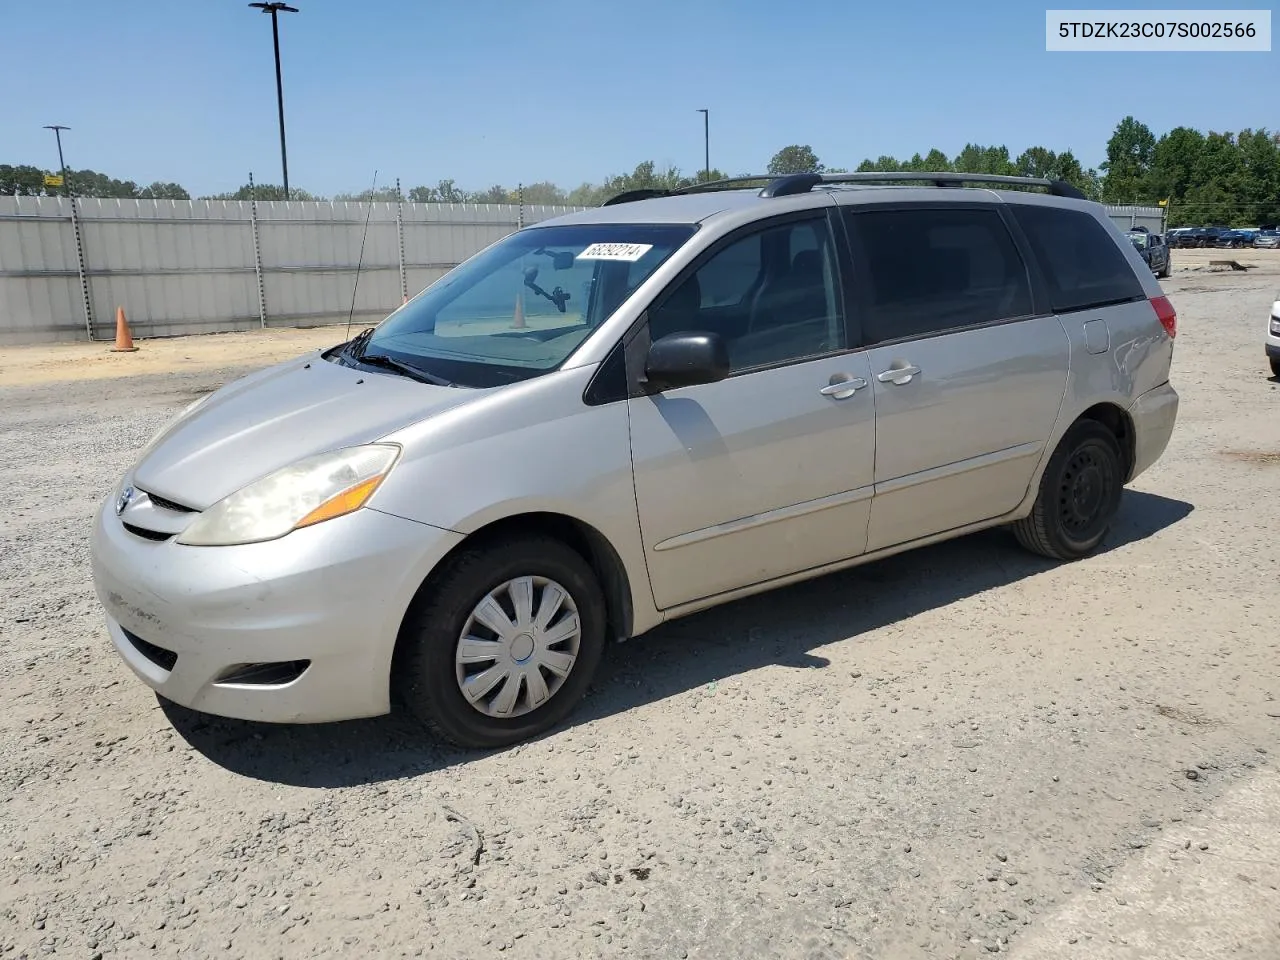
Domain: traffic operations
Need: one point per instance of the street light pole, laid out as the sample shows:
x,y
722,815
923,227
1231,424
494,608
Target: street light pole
x,y
706,141
57,129
273,9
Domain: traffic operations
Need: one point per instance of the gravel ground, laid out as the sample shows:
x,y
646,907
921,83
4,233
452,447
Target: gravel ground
x,y
945,754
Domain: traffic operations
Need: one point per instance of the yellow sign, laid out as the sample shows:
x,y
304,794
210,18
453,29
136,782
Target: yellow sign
x,y
52,180
1164,203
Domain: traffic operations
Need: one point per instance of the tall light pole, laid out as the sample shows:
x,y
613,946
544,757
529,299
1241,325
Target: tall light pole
x,y
57,129
273,9
706,142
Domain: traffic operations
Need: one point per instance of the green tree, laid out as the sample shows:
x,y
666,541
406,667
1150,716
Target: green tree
x,y
1036,162
23,180
91,183
978,159
543,192
164,191
380,195
881,164
446,191
936,161
1130,153
264,191
1173,162
794,159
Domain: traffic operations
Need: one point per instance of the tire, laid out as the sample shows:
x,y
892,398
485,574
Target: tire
x,y
427,675
1078,497
1168,269
1275,367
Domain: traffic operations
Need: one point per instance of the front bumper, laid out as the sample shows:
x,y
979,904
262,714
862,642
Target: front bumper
x,y
332,595
1153,415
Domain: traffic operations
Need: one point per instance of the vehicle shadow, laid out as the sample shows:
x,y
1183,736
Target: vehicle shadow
x,y
778,628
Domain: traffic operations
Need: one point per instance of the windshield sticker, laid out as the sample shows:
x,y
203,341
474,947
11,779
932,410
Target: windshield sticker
x,y
629,252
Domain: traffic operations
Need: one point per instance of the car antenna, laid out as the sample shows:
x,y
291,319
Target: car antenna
x,y
360,262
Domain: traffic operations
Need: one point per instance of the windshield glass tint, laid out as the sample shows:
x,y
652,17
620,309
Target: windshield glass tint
x,y
521,307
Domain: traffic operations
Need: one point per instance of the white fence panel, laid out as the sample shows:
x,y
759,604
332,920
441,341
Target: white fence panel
x,y
188,266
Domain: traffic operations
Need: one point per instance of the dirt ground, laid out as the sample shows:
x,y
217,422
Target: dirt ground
x,y
951,753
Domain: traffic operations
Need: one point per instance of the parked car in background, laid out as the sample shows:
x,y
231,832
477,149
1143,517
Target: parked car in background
x,y
1231,239
1154,251
1273,338
1193,236
1267,239
1176,235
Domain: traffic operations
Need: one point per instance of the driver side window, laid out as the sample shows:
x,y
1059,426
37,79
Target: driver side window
x,y
773,295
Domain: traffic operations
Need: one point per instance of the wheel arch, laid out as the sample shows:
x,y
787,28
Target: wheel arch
x,y
579,536
1116,419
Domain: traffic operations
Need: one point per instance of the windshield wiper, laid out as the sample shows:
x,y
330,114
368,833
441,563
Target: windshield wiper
x,y
356,348
388,363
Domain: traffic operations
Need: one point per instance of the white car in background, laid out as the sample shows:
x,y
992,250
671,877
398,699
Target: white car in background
x,y
1273,338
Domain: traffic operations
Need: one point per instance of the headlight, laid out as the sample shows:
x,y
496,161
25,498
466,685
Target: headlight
x,y
310,491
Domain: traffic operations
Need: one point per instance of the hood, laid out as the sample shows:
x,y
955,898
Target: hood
x,y
267,420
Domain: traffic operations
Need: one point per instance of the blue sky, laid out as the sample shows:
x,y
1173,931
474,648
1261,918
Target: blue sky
x,y
498,91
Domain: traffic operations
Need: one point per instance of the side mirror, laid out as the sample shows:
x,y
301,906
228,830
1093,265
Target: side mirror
x,y
686,359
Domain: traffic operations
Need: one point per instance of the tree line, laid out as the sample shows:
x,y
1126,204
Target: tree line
x,y
1211,178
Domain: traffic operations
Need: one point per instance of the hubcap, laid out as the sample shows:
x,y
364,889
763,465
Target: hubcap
x,y
518,647
1086,488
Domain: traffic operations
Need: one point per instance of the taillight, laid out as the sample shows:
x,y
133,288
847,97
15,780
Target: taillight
x,y
1168,316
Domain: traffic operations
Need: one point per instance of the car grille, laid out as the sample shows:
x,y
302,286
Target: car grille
x,y
162,658
167,504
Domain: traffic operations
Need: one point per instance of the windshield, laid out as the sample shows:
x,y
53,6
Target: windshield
x,y
1139,240
519,308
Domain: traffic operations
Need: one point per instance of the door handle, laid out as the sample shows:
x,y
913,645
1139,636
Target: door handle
x,y
898,375
841,389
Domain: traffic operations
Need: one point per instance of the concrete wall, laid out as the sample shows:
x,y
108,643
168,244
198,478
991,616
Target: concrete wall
x,y
205,266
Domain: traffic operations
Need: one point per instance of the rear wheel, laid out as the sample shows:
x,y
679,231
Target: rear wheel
x,y
1275,366
1167,270
1078,497
504,644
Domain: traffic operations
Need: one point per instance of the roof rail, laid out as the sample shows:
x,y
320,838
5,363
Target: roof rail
x,y
796,183
705,187
1059,188
628,196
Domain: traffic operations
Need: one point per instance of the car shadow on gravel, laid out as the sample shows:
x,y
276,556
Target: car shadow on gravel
x,y
778,628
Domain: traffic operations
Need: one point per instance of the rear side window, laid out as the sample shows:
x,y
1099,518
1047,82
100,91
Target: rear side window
x,y
1081,262
923,271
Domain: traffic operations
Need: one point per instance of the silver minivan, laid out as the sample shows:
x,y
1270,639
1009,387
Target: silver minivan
x,y
747,386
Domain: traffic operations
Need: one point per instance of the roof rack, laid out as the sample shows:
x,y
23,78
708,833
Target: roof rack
x,y
1059,188
796,183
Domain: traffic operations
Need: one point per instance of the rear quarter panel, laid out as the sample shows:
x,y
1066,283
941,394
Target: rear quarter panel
x,y
1137,357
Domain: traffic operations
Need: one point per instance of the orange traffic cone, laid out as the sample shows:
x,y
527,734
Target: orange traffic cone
x,y
124,339
519,317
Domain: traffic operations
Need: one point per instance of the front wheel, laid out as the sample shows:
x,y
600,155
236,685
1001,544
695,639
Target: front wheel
x,y
1078,497
1275,367
503,644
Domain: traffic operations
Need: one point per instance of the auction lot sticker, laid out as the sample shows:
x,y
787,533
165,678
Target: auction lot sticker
x,y
628,252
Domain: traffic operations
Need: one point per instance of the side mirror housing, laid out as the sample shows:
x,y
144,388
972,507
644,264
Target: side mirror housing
x,y
686,359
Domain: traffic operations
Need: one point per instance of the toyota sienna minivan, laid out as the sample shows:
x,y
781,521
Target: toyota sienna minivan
x,y
625,415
